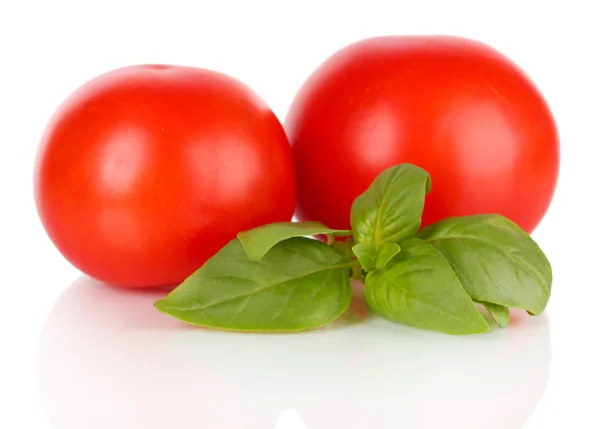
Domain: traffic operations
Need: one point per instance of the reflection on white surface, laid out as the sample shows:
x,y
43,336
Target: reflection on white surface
x,y
108,359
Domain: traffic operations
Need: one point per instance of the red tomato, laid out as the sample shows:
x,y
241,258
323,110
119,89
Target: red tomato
x,y
147,171
455,107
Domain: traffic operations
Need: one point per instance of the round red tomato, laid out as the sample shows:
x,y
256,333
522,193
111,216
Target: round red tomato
x,y
147,171
455,107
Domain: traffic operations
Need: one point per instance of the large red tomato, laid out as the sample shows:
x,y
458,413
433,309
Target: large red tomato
x,y
145,172
455,107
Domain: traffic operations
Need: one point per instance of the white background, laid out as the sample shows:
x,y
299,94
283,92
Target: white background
x,y
48,48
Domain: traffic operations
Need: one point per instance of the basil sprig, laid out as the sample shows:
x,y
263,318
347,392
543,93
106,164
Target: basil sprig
x,y
273,278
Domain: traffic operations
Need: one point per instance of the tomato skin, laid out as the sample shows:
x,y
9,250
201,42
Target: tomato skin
x,y
453,106
147,171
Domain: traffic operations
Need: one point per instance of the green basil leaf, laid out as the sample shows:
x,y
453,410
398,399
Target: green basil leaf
x,y
495,260
366,254
390,209
370,259
258,241
499,313
300,284
419,288
386,253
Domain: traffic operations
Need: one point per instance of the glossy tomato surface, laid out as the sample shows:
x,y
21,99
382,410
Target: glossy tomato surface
x,y
147,171
455,107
